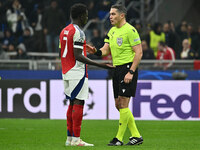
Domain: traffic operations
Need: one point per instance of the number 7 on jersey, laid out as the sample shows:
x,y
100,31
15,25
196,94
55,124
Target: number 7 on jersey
x,y
65,50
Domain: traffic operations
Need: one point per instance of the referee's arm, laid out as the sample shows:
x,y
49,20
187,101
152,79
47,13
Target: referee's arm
x,y
136,60
105,49
138,56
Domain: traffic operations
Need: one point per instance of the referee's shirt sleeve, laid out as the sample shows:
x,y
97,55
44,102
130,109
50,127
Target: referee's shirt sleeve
x,y
107,38
133,37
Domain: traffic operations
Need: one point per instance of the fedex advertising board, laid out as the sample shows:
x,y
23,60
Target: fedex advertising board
x,y
170,100
154,100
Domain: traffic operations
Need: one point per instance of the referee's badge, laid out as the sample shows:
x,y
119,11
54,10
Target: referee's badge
x,y
119,41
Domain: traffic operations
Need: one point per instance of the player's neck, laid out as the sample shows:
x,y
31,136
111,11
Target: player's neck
x,y
121,23
77,23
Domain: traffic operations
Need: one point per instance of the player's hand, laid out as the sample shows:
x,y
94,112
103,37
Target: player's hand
x,y
106,66
110,66
128,78
90,49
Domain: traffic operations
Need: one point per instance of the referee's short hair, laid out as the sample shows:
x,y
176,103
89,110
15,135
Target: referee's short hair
x,y
77,10
121,8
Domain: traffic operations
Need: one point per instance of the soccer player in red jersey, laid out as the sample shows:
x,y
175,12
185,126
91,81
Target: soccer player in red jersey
x,y
74,72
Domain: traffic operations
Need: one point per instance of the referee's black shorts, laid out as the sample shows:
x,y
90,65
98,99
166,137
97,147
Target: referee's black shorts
x,y
119,87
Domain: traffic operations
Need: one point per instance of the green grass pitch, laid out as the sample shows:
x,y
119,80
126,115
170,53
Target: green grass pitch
x,y
45,134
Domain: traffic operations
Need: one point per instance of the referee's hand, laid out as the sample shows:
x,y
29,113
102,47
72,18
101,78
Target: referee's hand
x,y
128,78
90,49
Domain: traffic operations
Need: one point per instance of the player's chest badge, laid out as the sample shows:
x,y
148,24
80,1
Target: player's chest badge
x,y
119,41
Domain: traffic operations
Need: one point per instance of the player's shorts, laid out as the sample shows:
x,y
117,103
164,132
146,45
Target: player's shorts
x,y
76,89
120,88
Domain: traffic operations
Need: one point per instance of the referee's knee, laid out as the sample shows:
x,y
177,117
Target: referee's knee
x,y
117,103
117,106
121,106
123,102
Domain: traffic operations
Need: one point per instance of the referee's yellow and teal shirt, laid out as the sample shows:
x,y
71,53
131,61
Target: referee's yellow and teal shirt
x,y
121,40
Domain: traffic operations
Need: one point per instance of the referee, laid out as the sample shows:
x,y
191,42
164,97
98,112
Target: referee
x,y
124,43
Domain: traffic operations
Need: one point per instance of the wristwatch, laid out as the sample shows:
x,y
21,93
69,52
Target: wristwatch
x,y
131,72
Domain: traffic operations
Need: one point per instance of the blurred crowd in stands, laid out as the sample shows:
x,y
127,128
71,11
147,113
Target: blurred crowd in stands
x,y
34,26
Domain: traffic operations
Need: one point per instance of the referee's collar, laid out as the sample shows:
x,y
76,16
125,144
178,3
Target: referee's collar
x,y
121,26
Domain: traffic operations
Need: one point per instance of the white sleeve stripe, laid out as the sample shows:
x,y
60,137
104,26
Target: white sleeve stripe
x,y
78,46
173,57
172,54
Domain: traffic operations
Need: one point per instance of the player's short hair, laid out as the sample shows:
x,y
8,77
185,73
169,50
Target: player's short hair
x,y
77,10
162,43
121,8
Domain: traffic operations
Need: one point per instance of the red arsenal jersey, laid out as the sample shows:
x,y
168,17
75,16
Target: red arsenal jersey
x,y
168,54
72,37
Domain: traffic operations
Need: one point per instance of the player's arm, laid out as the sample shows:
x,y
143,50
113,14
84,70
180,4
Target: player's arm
x,y
78,56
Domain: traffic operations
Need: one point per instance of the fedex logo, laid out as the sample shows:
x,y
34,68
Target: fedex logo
x,y
167,100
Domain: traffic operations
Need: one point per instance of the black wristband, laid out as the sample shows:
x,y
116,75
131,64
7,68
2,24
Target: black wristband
x,y
98,53
131,72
